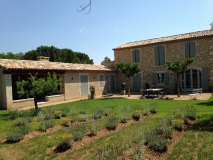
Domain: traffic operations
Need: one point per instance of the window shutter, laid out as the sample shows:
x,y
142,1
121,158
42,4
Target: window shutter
x,y
187,49
162,55
156,58
205,79
137,55
133,56
192,49
175,77
154,78
166,78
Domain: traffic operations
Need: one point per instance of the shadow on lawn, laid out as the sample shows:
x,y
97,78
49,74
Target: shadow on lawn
x,y
204,123
208,103
5,116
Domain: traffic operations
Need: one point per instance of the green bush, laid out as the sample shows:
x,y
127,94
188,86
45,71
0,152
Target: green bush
x,y
97,113
66,141
112,123
94,128
65,122
57,114
45,124
190,112
21,122
123,114
178,124
136,114
16,134
78,132
158,144
65,111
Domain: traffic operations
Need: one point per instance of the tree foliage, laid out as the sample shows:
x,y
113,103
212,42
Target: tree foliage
x,y
211,24
10,55
106,60
34,86
58,55
129,70
179,68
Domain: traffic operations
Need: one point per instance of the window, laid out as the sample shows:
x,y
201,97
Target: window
x,y
159,55
189,49
101,80
136,55
160,78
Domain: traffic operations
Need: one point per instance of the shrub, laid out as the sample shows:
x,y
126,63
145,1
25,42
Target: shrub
x,y
44,125
14,136
21,122
153,110
112,123
136,114
110,152
190,112
158,144
14,114
78,132
94,128
65,111
123,114
108,111
178,124
82,117
146,111
97,113
82,110
66,141
65,122
57,114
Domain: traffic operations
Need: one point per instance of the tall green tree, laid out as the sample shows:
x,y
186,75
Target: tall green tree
x,y
179,68
34,87
129,70
106,60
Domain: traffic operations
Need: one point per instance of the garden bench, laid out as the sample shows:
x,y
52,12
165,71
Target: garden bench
x,y
196,93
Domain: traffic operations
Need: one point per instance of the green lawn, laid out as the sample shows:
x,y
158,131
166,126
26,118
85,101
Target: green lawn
x,y
195,144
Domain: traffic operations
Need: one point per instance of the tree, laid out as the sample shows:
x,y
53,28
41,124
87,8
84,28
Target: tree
x,y
129,70
179,68
34,87
58,55
211,24
106,60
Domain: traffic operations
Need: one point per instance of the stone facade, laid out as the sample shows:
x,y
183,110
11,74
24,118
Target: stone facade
x,y
174,50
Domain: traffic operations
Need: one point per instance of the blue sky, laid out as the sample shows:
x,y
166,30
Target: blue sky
x,y
28,24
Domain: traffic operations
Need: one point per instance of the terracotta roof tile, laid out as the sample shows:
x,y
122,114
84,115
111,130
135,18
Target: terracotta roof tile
x,y
46,65
166,39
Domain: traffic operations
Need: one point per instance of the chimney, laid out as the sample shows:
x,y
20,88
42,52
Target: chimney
x,y
42,58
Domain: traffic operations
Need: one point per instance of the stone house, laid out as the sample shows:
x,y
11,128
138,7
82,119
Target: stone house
x,y
76,80
152,55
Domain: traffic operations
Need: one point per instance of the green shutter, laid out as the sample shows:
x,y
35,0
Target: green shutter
x,y
166,78
162,55
101,79
133,56
187,49
192,49
156,58
137,55
205,79
154,78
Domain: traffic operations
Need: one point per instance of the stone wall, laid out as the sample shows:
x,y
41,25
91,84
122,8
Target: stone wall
x,y
173,51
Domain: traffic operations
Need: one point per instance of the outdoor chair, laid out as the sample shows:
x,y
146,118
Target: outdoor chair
x,y
107,95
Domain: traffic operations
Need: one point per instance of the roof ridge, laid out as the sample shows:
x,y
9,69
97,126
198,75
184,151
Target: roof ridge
x,y
166,38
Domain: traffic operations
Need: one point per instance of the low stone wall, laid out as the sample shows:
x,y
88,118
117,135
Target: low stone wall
x,y
55,98
23,103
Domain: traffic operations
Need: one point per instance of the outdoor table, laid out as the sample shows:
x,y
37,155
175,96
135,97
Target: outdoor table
x,y
152,91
